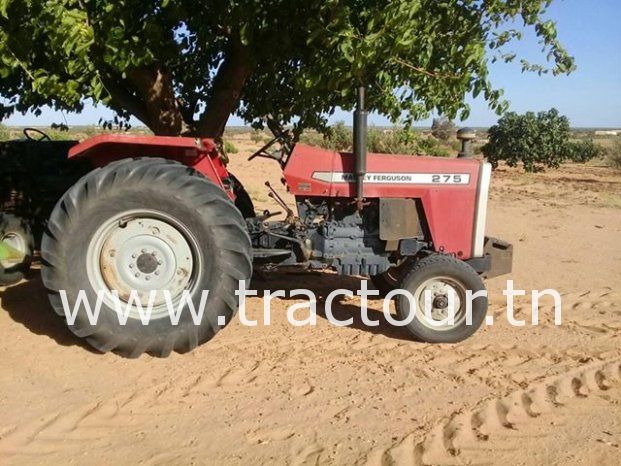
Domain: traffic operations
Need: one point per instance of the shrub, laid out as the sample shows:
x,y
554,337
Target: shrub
x,y
395,141
456,145
536,140
431,147
5,134
340,137
337,137
313,138
404,141
613,155
59,134
256,136
230,148
583,151
442,128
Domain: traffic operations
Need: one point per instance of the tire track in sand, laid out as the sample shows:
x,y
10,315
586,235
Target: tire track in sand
x,y
503,424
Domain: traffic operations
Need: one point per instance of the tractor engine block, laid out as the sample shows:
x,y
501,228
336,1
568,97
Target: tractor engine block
x,y
349,242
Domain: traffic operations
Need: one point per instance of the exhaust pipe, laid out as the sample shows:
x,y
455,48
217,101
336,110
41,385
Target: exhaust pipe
x,y
360,146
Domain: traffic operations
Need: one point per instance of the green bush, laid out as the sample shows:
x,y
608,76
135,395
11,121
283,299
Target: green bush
x,y
583,151
341,136
337,137
613,155
257,136
59,135
430,146
404,141
313,138
230,148
5,134
536,140
394,141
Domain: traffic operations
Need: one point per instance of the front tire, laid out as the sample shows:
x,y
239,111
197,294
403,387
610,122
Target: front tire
x,y
144,225
441,275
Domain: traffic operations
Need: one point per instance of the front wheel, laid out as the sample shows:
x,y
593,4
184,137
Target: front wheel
x,y
434,284
145,237
16,249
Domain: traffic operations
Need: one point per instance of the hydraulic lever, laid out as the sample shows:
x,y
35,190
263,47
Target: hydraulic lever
x,y
274,195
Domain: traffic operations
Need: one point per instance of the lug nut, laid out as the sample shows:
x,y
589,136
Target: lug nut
x,y
137,275
131,266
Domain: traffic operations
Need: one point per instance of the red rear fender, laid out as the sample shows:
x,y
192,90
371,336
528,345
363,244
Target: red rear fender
x,y
200,154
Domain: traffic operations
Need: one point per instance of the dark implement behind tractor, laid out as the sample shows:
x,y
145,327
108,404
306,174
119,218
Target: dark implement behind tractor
x,y
162,213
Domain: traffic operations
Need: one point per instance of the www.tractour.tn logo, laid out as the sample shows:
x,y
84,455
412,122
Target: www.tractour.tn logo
x,y
141,306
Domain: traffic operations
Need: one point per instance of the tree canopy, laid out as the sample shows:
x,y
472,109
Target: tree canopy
x,y
184,66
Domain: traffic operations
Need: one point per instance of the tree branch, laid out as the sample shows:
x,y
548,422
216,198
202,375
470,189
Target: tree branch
x,y
420,70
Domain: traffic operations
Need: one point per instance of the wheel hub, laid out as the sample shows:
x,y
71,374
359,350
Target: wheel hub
x,y
147,262
439,289
440,302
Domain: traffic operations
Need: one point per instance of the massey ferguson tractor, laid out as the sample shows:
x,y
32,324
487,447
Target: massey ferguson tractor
x,y
164,213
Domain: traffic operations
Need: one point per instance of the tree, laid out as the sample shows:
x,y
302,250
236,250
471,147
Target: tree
x,y
443,128
537,140
183,67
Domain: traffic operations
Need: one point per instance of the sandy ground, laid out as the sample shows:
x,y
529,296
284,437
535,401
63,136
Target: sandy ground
x,y
277,394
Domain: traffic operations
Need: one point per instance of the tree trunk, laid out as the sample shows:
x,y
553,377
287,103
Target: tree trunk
x,y
226,92
148,94
155,90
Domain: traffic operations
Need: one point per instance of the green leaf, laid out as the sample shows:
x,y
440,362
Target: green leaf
x,y
4,6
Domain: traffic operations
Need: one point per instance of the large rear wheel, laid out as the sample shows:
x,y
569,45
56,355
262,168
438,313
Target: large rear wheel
x,y
157,235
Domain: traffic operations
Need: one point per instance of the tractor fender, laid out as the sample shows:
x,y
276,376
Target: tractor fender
x,y
200,154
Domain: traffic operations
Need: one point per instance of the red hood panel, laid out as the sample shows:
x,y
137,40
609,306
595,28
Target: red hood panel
x,y
311,171
447,187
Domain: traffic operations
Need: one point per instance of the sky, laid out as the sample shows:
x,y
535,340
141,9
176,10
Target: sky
x,y
590,96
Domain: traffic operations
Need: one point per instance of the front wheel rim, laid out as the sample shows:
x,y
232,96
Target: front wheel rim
x,y
143,251
439,289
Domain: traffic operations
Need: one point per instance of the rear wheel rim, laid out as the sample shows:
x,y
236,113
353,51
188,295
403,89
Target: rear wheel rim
x,y
439,289
143,251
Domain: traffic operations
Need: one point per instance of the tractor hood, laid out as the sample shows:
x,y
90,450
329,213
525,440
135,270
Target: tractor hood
x,y
453,192
311,171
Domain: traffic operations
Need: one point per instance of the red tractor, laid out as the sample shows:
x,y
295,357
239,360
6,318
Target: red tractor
x,y
164,213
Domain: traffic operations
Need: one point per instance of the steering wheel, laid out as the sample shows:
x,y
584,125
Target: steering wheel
x,y
261,151
42,135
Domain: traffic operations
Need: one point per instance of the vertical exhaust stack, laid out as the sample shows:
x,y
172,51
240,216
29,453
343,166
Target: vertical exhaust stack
x,y
360,146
